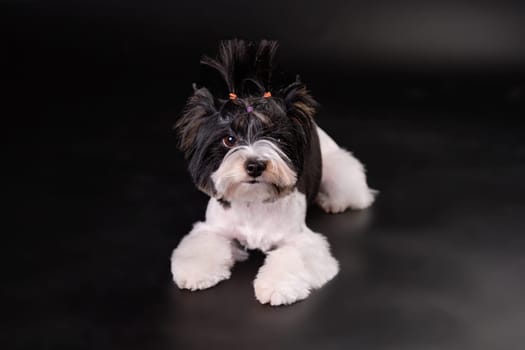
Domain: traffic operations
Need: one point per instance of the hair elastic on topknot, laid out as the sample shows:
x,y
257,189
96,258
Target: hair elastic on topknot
x,y
233,96
267,94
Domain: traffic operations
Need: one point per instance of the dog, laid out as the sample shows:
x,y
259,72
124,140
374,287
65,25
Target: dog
x,y
262,159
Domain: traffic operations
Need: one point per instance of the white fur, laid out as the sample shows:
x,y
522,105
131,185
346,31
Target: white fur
x,y
343,184
298,260
203,258
230,178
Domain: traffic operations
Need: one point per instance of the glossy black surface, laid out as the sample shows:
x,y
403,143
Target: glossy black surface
x,y
437,262
98,195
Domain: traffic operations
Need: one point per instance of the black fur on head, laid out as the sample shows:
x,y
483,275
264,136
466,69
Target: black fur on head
x,y
285,118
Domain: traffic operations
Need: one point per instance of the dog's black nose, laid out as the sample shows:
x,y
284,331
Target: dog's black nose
x,y
254,167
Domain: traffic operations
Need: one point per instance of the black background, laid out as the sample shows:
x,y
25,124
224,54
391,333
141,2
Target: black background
x,y
428,94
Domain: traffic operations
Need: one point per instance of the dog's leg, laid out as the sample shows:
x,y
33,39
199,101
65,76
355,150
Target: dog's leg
x,y
343,183
203,258
293,269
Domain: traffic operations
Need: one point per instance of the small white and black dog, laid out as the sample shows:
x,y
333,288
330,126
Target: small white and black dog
x,y
262,159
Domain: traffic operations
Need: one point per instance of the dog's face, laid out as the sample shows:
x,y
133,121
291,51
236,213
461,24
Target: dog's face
x,y
258,153
247,149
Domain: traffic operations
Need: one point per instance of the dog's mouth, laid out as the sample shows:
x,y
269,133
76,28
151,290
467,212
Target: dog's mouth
x,y
252,181
256,189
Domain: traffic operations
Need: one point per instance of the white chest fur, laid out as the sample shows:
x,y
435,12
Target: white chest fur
x,y
259,225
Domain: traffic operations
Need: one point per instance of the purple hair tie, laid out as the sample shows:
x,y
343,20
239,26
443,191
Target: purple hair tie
x,y
249,109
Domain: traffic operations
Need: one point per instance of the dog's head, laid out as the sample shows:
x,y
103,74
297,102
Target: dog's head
x,y
249,145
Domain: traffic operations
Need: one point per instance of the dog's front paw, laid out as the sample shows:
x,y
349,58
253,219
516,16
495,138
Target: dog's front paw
x,y
275,290
195,274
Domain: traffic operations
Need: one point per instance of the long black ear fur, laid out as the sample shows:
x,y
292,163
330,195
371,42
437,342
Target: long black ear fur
x,y
200,106
300,106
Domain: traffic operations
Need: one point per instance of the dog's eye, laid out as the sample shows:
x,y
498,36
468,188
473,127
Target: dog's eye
x,y
229,141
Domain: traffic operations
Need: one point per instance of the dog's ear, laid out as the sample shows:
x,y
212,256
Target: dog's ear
x,y
199,107
298,101
300,105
